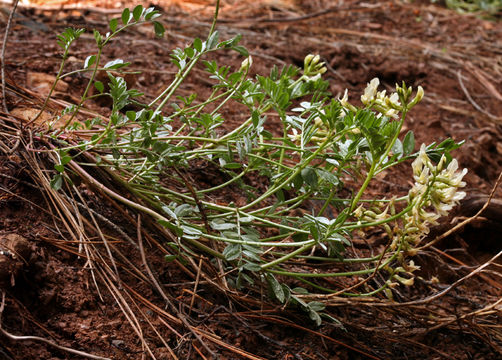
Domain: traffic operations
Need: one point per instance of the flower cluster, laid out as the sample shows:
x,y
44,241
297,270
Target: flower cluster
x,y
389,106
313,68
406,268
435,192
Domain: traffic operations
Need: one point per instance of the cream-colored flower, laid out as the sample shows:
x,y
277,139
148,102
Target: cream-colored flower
x,y
418,163
394,100
392,113
370,91
436,189
344,101
454,176
294,136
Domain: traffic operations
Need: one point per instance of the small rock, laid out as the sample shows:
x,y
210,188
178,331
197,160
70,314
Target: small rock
x,y
45,119
42,82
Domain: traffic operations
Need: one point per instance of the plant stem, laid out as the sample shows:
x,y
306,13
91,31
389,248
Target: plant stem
x,y
297,171
53,87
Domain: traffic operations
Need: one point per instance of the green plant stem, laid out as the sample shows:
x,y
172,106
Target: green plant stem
x,y
284,139
341,260
325,275
322,275
95,183
288,256
84,97
298,170
234,88
377,223
326,203
394,138
331,291
243,126
376,163
228,210
169,91
215,17
78,71
223,185
279,163
91,80
53,87
260,243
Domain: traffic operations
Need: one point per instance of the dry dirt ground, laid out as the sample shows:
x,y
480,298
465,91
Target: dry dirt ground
x,y
51,293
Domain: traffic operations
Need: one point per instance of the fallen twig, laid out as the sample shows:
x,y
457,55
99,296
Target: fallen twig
x,y
471,100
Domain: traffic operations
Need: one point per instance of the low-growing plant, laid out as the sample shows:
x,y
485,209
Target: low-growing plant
x,y
302,160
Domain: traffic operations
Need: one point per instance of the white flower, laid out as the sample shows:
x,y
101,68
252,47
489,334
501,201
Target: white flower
x,y
370,91
358,213
419,162
459,195
394,99
308,59
433,195
380,95
443,208
295,136
392,113
429,217
344,100
441,163
423,177
314,78
454,176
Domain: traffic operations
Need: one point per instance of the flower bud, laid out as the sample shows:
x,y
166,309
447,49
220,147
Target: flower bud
x,y
307,61
246,64
418,97
404,281
312,68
